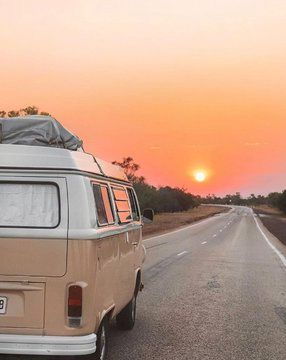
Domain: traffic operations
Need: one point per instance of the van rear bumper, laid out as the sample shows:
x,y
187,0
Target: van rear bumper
x,y
47,345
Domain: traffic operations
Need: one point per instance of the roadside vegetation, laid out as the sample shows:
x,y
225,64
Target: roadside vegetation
x,y
29,110
165,222
275,200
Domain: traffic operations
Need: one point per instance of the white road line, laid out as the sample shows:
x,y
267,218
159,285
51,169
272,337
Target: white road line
x,y
277,252
182,253
203,243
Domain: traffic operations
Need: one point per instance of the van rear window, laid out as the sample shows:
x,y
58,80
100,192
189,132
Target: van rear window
x,y
122,204
103,205
134,204
29,205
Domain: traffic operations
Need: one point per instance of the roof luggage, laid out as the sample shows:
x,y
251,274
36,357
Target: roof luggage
x,y
37,130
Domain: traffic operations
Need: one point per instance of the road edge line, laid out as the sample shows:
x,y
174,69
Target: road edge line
x,y
277,252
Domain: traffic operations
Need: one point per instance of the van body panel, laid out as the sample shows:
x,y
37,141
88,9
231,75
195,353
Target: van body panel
x,y
83,269
135,238
33,257
25,307
125,269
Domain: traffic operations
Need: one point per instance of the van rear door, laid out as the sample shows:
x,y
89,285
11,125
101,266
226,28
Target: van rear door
x,y
33,242
33,226
22,304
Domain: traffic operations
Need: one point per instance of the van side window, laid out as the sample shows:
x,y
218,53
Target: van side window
x,y
134,205
103,205
122,204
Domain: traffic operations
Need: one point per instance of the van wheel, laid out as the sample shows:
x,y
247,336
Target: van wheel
x,y
126,318
102,341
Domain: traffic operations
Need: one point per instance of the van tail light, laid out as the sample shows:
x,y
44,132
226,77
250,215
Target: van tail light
x,y
74,305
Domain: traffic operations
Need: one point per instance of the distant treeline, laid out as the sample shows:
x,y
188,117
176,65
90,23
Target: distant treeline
x,y
162,199
29,110
274,199
168,199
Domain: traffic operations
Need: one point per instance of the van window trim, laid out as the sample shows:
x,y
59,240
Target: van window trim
x,y
120,187
33,182
136,203
105,184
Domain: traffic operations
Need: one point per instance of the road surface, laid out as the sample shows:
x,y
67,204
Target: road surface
x,y
215,290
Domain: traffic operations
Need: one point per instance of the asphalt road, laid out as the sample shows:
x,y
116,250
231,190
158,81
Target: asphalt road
x,y
215,290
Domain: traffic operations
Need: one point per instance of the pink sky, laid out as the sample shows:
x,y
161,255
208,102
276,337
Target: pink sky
x,y
178,85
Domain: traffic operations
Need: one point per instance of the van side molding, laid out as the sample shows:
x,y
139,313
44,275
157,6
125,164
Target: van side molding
x,y
99,233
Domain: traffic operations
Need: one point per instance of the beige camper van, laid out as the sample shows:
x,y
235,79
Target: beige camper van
x,y
71,251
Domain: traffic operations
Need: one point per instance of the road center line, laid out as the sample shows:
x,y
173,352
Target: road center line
x,y
182,253
203,243
278,253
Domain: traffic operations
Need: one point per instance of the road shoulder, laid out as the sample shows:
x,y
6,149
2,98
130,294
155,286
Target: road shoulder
x,y
171,222
274,242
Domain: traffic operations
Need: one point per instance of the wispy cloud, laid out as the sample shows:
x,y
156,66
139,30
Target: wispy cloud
x,y
256,143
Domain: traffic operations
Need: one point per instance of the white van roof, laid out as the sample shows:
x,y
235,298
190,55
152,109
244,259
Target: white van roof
x,y
45,158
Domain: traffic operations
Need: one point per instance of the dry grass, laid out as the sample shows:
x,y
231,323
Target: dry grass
x,y
169,221
267,210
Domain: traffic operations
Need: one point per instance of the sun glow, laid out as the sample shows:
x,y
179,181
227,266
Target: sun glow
x,y
200,176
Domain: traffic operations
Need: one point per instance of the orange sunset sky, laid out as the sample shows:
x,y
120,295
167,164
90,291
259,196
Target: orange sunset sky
x,y
179,85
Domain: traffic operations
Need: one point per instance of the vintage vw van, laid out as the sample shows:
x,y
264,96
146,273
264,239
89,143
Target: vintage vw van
x,y
71,251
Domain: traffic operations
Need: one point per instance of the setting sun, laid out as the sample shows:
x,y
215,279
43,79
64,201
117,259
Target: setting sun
x,y
200,176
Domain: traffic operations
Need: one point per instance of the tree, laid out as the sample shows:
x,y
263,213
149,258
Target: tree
x,y
273,199
282,202
130,168
147,196
13,113
175,199
45,113
30,110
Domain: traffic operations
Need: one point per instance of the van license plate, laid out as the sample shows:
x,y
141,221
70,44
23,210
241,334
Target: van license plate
x,y
3,305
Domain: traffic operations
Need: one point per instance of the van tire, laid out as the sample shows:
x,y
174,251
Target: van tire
x,y
125,320
102,340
